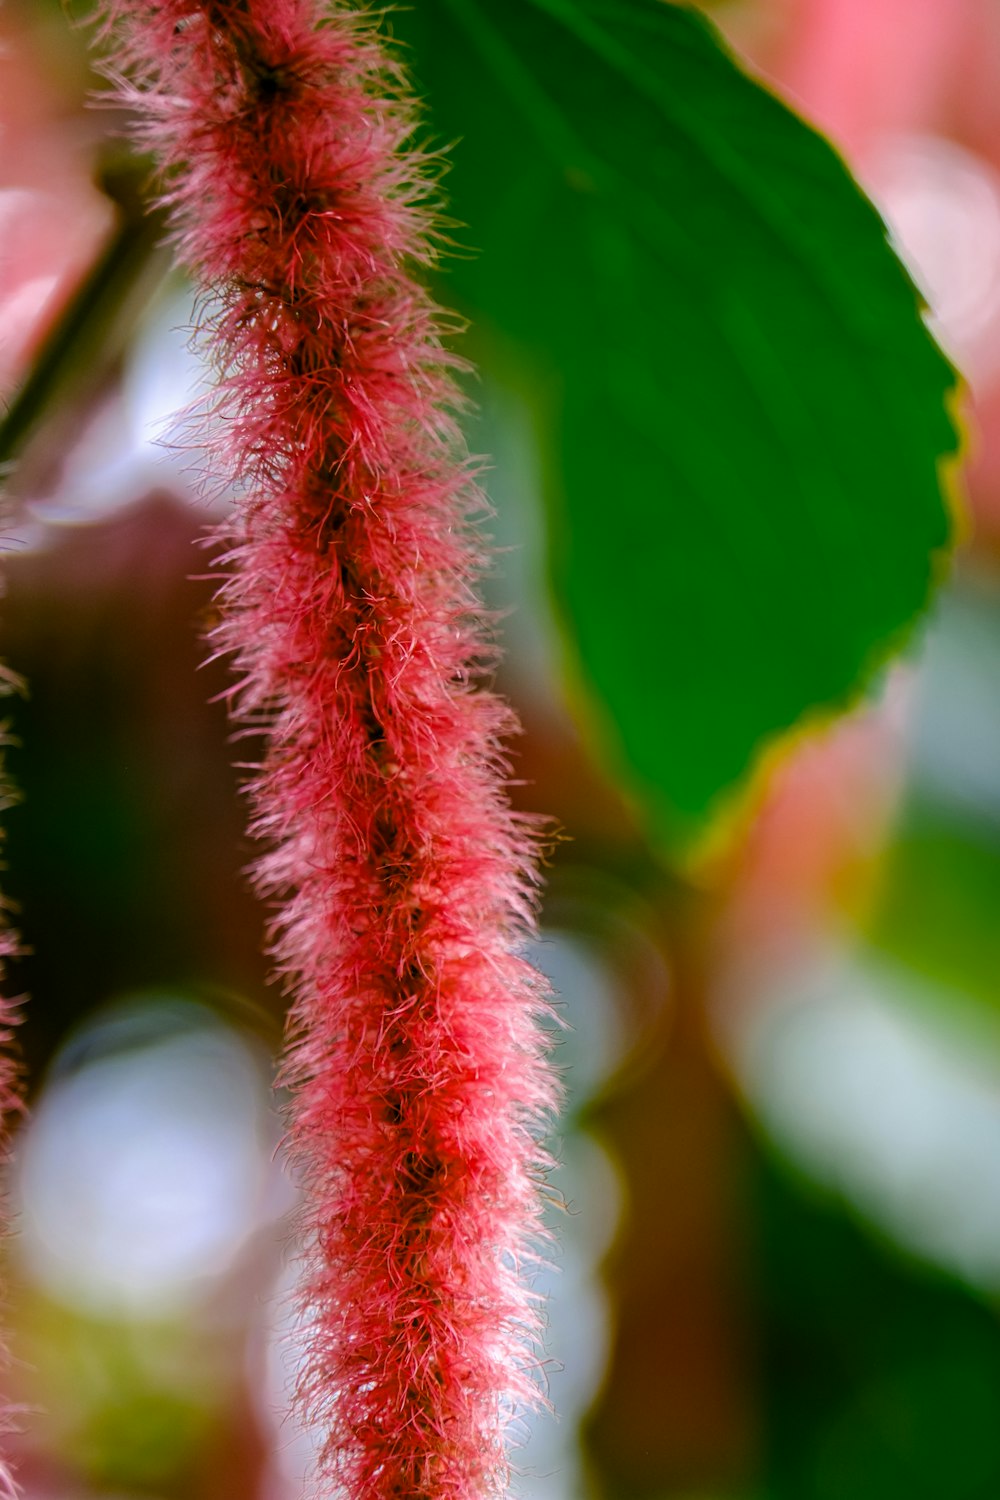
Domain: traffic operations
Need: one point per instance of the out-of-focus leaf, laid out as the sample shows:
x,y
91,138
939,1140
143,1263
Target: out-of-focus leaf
x,y
938,909
935,910
747,412
880,1376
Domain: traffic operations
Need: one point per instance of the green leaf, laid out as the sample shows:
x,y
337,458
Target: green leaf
x,y
935,906
938,901
745,411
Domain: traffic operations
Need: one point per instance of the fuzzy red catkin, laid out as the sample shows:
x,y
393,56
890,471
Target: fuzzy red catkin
x,y
11,1105
404,881
11,1099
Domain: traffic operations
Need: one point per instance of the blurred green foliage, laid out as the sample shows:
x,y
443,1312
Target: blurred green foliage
x,y
881,1375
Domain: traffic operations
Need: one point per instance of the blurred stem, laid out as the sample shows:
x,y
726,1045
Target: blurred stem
x,y
98,320
676,1411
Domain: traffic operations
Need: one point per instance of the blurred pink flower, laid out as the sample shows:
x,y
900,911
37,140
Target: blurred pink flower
x,y
862,71
404,880
46,184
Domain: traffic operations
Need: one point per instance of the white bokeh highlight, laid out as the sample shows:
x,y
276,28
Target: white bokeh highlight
x,y
146,1168
849,1073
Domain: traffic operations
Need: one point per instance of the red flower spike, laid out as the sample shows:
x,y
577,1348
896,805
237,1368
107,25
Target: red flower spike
x,y
405,881
11,1099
